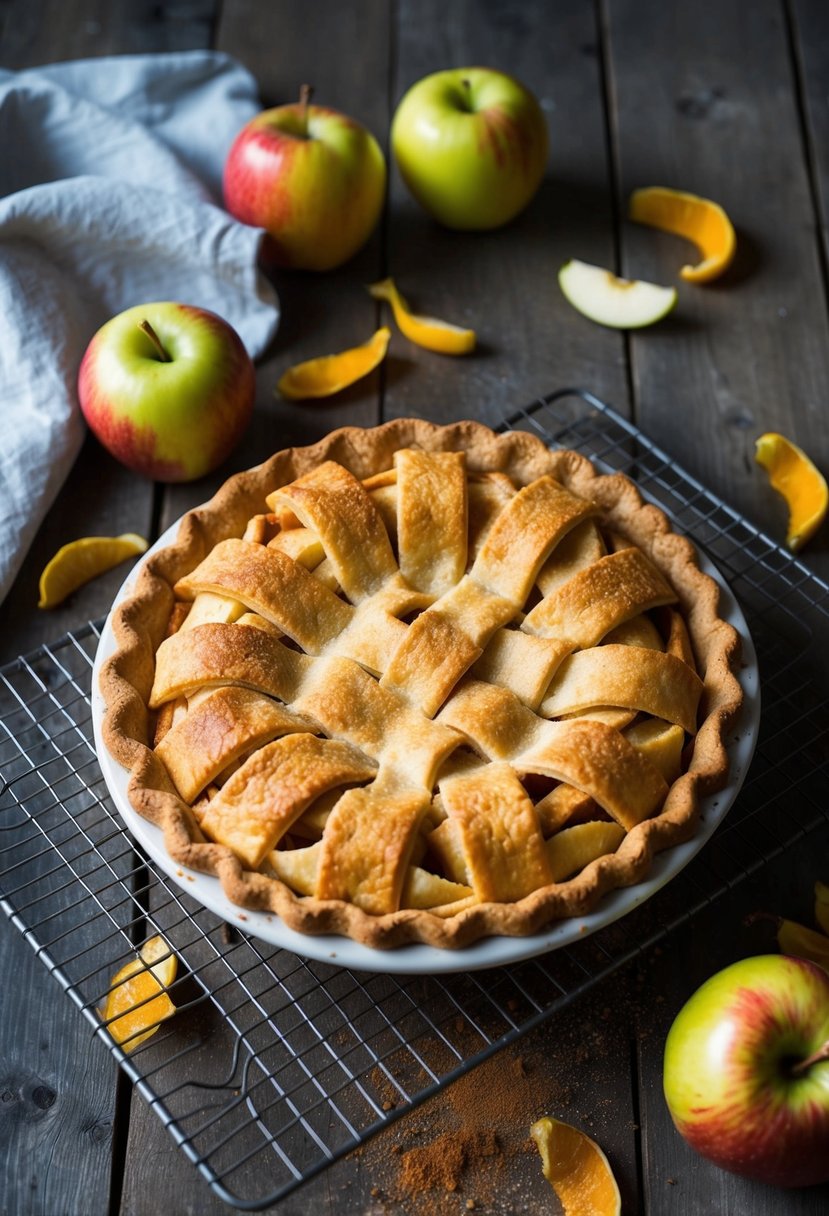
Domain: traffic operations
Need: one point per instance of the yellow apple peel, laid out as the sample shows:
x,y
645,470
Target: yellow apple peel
x,y
329,374
82,560
801,483
428,332
137,1002
577,1169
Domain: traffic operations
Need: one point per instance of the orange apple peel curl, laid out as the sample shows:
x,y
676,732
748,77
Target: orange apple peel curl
x,y
82,560
796,939
699,220
801,483
428,332
577,1169
329,374
137,1002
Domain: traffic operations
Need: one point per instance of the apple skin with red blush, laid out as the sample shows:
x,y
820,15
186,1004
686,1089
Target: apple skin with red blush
x,y
471,146
313,178
746,1070
168,389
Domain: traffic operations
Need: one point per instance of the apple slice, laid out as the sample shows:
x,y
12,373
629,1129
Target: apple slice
x,y
620,303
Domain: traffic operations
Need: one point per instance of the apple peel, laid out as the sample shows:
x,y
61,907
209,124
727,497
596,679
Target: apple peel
x,y
82,560
801,483
699,220
796,939
329,374
577,1169
428,332
137,1002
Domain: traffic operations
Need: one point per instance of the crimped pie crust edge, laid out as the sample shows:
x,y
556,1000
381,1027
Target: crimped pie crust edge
x,y
140,621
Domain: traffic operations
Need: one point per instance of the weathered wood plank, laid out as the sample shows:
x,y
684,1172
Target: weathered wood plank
x,y
56,1095
676,1179
810,35
710,106
503,283
100,498
58,1085
48,31
320,313
536,333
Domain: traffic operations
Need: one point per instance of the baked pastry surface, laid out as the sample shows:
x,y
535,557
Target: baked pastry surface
x,y
422,683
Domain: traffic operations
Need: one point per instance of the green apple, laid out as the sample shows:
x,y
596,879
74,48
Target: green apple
x,y
746,1070
620,303
313,178
471,145
168,389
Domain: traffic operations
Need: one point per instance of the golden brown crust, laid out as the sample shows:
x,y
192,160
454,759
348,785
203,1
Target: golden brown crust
x,y
140,624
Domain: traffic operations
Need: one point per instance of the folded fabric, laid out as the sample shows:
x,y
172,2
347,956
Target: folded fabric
x,y
110,179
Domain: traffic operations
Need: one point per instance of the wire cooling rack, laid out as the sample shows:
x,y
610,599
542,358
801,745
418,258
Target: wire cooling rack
x,y
275,1066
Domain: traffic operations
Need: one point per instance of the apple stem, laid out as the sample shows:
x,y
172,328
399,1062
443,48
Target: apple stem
x,y
816,1057
306,92
146,328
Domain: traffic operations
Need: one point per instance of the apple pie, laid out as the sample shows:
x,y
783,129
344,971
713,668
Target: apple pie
x,y
422,684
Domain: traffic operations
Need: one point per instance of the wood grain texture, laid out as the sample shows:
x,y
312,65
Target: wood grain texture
x,y
49,31
319,313
677,1181
810,37
58,1083
57,1086
711,107
100,498
503,283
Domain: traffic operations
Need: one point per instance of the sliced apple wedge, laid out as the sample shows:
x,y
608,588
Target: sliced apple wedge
x,y
605,298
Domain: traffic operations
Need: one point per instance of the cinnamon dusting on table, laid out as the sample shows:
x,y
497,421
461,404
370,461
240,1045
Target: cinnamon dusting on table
x,y
461,1156
469,1149
442,1161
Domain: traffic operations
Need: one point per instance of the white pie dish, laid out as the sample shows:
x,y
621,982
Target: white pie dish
x,y
423,959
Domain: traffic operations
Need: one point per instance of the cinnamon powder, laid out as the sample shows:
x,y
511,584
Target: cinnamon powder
x,y
468,1150
442,1162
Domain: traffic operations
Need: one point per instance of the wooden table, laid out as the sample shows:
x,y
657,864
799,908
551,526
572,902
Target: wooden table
x,y
725,100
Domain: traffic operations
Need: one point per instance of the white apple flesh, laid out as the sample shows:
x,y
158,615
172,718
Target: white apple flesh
x,y
746,1070
619,303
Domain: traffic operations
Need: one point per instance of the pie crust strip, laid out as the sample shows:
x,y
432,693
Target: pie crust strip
x,y
629,677
589,755
219,730
332,503
258,803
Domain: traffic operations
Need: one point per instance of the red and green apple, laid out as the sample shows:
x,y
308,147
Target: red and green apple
x,y
312,177
471,145
168,389
746,1070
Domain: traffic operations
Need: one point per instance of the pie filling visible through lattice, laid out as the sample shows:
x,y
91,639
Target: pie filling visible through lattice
x,y
422,684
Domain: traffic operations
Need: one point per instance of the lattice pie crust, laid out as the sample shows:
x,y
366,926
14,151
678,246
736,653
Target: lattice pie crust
x,y
422,683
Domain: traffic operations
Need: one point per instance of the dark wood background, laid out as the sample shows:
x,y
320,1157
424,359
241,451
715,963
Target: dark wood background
x,y
722,98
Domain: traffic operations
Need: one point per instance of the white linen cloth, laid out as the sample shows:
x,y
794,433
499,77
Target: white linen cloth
x,y
110,186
